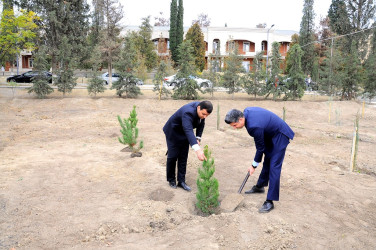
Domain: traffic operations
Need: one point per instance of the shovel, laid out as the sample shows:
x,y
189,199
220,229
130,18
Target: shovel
x,y
232,201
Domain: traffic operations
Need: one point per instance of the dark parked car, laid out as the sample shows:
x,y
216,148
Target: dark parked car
x,y
28,76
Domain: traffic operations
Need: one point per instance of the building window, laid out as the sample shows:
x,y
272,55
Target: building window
x,y
156,44
246,47
216,46
168,44
263,45
31,62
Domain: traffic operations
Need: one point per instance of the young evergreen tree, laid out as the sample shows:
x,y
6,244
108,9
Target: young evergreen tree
x,y
253,84
306,37
295,82
186,88
331,73
129,132
207,186
41,85
173,30
369,90
353,72
126,66
197,39
158,80
273,85
145,44
231,77
96,82
66,81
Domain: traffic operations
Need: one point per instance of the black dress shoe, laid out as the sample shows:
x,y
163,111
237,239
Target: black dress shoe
x,y
184,186
255,189
173,184
266,207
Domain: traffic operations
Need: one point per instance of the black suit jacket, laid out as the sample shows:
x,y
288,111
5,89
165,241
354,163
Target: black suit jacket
x,y
179,128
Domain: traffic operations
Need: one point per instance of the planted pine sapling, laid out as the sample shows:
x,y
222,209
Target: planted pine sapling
x,y
129,131
207,185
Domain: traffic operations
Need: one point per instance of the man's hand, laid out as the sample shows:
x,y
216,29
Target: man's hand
x,y
200,155
251,170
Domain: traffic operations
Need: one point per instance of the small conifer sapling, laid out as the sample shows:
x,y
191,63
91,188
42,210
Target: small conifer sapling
x,y
207,185
129,133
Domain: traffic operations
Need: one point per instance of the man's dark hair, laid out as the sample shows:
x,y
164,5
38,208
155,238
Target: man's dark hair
x,y
206,105
233,116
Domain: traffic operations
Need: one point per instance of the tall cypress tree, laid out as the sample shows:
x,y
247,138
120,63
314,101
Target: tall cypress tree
x,y
306,37
180,24
173,30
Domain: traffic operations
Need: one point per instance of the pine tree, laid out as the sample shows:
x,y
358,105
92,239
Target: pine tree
x,y
197,39
306,37
41,85
126,66
253,84
158,81
186,88
231,78
370,81
145,45
295,80
207,186
96,83
173,30
129,131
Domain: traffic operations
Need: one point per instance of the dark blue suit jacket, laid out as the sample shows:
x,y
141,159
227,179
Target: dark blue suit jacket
x,y
265,127
179,128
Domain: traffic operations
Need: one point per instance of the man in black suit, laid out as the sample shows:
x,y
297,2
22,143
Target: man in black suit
x,y
179,135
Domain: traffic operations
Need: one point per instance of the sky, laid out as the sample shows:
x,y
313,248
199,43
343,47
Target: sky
x,y
285,15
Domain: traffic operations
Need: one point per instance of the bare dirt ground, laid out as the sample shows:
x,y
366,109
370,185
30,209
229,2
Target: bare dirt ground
x,y
65,184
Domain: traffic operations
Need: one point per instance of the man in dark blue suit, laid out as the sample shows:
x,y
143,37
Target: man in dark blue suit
x,y
179,135
271,135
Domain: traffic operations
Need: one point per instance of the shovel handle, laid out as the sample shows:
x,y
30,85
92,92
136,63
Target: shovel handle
x,y
243,184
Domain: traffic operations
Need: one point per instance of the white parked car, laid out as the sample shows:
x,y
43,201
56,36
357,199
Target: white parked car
x,y
115,77
203,83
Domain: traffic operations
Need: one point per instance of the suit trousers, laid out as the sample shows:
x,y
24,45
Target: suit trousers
x,y
272,166
177,153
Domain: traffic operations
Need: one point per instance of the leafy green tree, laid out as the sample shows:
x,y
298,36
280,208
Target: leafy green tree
x,y
295,80
41,85
173,30
233,68
129,131
207,186
186,88
158,80
254,80
197,39
145,44
306,37
339,20
16,32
